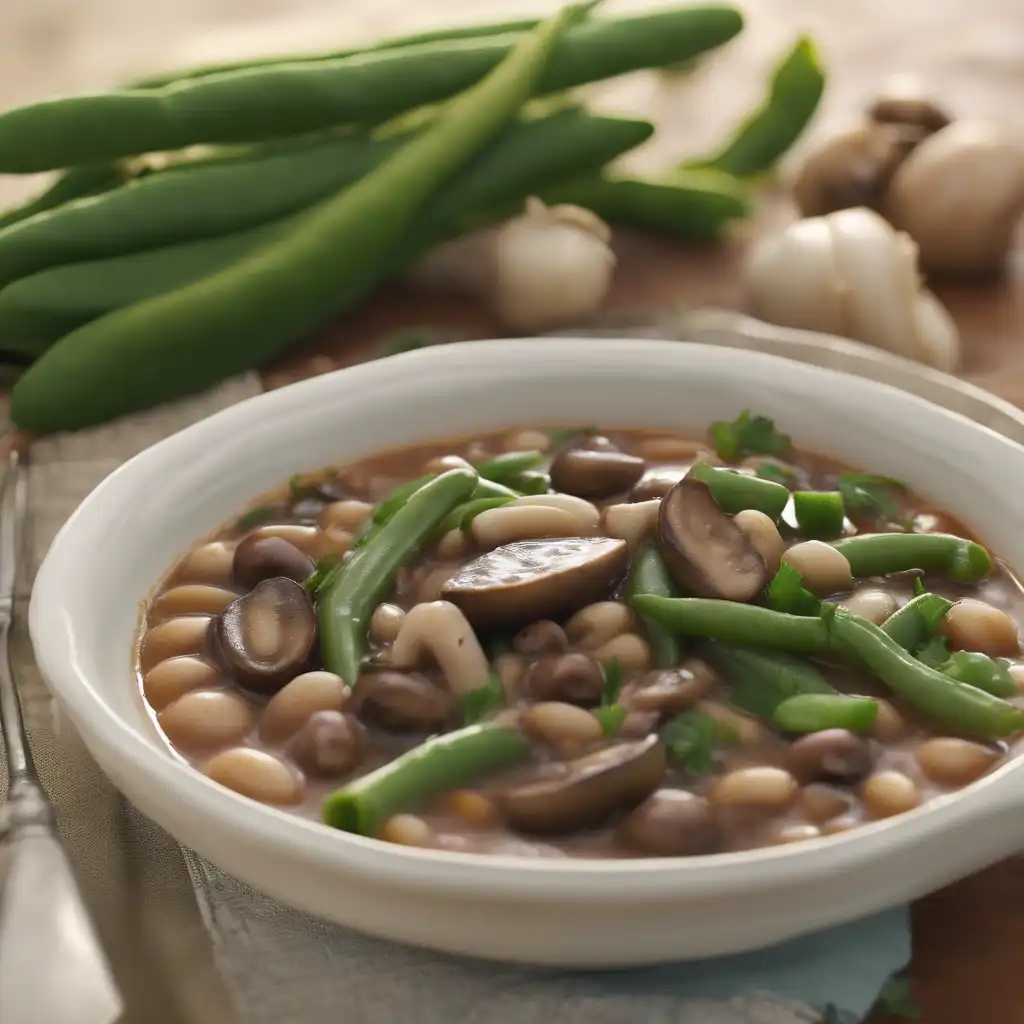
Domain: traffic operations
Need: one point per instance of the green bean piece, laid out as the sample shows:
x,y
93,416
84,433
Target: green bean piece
x,y
814,712
819,514
504,467
499,28
89,180
461,517
735,623
531,482
290,99
188,339
989,674
879,554
349,599
917,621
954,705
735,492
445,762
695,205
770,131
649,575
762,679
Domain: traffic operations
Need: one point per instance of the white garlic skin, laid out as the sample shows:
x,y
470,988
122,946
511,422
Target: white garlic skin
x,y
960,196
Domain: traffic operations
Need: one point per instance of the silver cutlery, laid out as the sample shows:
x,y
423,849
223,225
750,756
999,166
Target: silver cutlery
x,y
53,969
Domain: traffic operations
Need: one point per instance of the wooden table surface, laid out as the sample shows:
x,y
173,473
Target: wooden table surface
x,y
969,938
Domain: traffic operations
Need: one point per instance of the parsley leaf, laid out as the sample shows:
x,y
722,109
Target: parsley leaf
x,y
479,703
747,435
896,999
690,738
777,475
610,717
256,517
324,569
870,497
919,587
934,652
787,593
612,683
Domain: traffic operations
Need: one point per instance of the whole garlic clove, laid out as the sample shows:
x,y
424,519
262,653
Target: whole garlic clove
x,y
960,195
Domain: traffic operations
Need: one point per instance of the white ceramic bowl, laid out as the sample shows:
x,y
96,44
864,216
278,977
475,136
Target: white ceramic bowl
x,y
602,913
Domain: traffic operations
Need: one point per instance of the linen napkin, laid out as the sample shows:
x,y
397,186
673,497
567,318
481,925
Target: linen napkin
x,y
283,967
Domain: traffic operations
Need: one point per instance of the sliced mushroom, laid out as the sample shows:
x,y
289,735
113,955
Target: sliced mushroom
x,y
402,702
672,823
268,636
586,791
571,678
329,745
535,579
706,552
905,102
832,755
656,483
541,637
668,691
589,473
264,558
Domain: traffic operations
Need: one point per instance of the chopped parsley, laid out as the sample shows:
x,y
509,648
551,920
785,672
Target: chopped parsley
x,y
748,435
870,497
611,714
778,475
479,703
324,569
256,517
934,652
690,739
787,593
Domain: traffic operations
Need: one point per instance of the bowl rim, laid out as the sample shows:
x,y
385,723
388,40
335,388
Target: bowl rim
x,y
54,642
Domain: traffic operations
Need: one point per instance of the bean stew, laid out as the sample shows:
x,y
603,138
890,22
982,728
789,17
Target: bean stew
x,y
565,643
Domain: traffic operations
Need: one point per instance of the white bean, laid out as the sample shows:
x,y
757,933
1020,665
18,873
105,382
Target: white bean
x,y
440,629
386,621
348,515
442,463
208,563
583,511
454,544
555,723
888,793
255,774
168,680
595,625
749,730
631,521
308,539
632,652
874,605
670,449
186,635
824,569
527,441
972,625
406,830
292,706
763,786
207,719
509,523
951,761
192,599
763,535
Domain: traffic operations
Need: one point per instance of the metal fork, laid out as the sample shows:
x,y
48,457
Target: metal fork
x,y
53,969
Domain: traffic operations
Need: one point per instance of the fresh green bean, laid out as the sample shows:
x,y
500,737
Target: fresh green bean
x,y
289,99
346,603
735,492
768,133
649,575
879,554
73,184
977,669
819,514
814,712
736,623
461,518
183,341
499,28
36,310
695,205
917,621
762,679
954,705
531,482
442,763
503,467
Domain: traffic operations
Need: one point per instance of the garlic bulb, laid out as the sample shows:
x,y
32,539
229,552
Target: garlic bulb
x,y
851,274
960,195
549,267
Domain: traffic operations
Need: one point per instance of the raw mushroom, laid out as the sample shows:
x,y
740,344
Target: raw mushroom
x,y
573,678
263,558
587,790
535,579
268,636
402,702
331,744
656,483
706,552
906,104
832,755
672,823
595,474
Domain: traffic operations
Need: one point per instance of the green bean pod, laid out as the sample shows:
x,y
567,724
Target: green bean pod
x,y
879,554
819,514
89,180
767,134
917,621
38,309
735,492
461,517
736,623
290,99
977,669
814,712
762,679
346,604
955,705
505,467
649,575
445,762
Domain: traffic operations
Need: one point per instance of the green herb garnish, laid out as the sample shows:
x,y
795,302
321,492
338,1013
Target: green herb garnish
x,y
690,739
256,517
610,718
324,568
611,714
870,497
479,703
777,475
748,435
787,593
934,652
560,435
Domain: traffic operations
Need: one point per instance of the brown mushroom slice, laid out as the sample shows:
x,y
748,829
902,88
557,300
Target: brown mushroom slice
x,y
537,579
268,636
589,473
706,552
587,790
263,558
402,702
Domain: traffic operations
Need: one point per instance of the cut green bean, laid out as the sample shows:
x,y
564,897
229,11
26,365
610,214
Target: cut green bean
x,y
443,763
977,669
917,621
956,706
461,518
736,623
650,576
767,134
503,467
814,712
819,514
762,679
92,179
347,602
880,554
290,99
735,492
531,482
